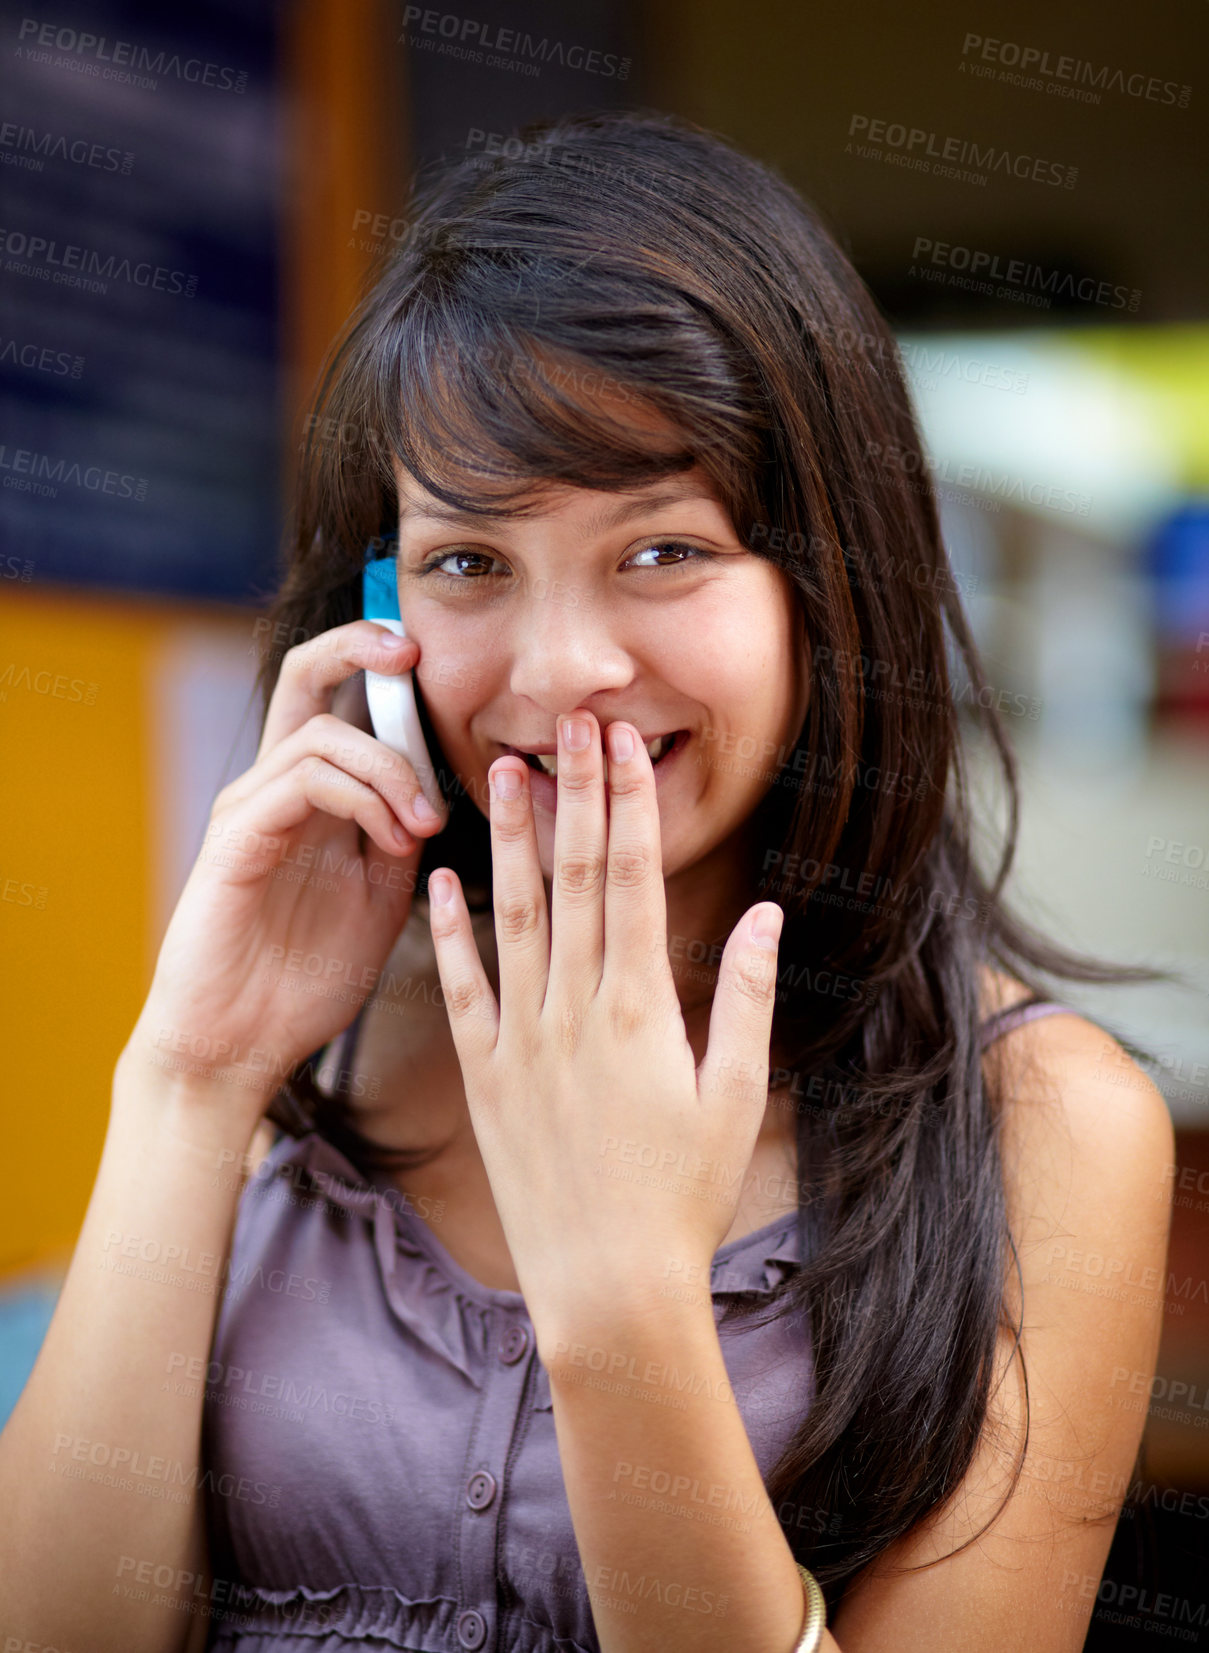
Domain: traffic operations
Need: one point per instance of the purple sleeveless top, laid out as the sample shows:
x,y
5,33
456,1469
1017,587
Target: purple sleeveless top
x,y
378,1433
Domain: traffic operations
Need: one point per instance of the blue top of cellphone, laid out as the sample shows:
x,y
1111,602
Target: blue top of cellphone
x,y
380,590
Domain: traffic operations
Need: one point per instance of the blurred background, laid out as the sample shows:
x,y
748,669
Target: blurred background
x,y
192,199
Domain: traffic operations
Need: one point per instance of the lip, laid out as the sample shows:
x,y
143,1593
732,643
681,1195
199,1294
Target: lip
x,y
543,788
549,749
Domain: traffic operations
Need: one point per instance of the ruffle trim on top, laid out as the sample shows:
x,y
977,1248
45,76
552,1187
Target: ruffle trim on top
x,y
445,1307
354,1615
760,1261
422,1298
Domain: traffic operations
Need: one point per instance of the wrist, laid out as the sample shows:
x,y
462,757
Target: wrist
x,y
231,1100
616,1325
169,1131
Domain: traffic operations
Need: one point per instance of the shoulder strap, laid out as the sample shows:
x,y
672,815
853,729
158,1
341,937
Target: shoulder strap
x,y
1027,1010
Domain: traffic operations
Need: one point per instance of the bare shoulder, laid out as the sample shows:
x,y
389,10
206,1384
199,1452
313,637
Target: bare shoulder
x,y
1082,1126
1077,1111
1088,1148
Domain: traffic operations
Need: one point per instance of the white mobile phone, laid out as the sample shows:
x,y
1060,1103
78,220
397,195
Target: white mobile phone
x,y
392,700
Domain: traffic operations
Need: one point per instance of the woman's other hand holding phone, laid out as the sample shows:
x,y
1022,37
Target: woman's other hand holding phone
x,y
303,883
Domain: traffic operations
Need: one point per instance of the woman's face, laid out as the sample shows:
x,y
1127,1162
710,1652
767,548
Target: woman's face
x,y
643,606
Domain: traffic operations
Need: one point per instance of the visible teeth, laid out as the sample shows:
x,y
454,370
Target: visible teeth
x,y
656,748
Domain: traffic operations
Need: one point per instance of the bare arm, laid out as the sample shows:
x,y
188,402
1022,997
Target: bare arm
x,y
99,1462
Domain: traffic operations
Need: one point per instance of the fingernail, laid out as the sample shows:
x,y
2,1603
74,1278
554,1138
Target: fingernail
x,y
621,743
766,927
505,783
389,640
422,809
440,887
576,734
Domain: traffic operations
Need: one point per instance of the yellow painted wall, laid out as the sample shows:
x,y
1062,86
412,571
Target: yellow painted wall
x,y
77,886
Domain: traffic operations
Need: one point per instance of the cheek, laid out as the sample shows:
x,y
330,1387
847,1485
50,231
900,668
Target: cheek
x,y
775,665
759,695
450,671
737,654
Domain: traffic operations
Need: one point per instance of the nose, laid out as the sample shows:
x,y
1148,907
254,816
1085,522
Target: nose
x,y
564,651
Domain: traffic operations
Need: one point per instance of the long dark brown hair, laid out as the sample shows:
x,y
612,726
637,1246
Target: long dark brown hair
x,y
643,257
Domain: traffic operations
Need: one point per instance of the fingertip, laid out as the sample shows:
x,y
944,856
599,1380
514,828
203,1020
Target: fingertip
x,y
392,646
766,924
386,637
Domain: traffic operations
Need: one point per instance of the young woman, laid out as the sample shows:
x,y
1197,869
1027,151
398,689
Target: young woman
x,y
685,1206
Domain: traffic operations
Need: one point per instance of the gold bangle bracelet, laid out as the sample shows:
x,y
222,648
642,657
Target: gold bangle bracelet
x,y
816,1614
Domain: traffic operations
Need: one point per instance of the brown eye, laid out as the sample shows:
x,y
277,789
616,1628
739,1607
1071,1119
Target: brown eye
x,y
433,565
694,553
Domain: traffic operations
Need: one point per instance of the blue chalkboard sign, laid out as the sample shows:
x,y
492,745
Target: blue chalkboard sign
x,y
138,336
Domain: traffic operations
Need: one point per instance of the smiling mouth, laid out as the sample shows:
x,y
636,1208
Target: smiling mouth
x,y
658,747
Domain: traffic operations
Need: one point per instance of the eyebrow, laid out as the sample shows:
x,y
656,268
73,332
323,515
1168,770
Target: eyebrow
x,y
609,517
